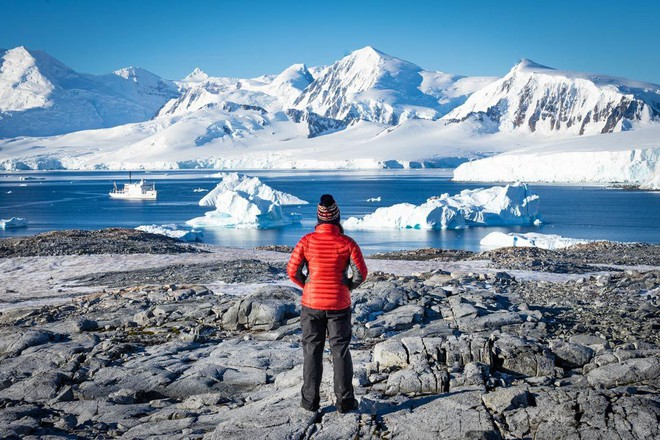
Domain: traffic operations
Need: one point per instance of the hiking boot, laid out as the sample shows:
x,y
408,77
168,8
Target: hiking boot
x,y
308,407
347,406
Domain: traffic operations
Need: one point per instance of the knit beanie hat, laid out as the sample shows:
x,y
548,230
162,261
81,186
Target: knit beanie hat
x,y
327,211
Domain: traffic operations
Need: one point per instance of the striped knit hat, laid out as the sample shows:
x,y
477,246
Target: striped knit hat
x,y
327,211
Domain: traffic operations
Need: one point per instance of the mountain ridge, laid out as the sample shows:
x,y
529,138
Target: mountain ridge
x,y
366,110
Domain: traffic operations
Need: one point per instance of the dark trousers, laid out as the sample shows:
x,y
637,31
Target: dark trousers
x,y
337,324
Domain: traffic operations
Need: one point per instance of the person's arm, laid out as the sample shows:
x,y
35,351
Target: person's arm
x,y
297,263
358,266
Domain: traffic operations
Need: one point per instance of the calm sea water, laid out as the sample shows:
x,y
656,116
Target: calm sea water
x,y
65,200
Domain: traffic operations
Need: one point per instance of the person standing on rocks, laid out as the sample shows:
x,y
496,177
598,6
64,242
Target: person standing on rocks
x,y
319,264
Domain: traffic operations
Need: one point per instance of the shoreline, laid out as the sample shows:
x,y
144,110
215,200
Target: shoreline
x,y
58,266
444,171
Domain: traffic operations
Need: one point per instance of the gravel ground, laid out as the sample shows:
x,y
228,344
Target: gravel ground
x,y
104,241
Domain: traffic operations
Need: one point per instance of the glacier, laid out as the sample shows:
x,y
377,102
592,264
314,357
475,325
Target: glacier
x,y
242,201
626,158
512,204
530,239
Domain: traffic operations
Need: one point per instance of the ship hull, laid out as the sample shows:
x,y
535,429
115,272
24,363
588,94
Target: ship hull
x,y
123,196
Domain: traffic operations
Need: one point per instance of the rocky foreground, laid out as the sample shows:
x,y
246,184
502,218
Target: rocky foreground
x,y
461,355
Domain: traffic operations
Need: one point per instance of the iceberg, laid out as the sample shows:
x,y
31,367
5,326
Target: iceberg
x,y
531,239
245,202
14,222
429,215
174,231
512,204
251,187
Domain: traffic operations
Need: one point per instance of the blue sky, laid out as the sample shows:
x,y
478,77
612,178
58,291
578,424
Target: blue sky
x,y
249,38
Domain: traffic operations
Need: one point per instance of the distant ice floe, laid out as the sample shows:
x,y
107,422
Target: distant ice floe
x,y
14,222
199,190
531,239
375,199
513,204
245,202
174,231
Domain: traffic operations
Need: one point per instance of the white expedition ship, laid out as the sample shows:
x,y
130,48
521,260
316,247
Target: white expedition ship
x,y
135,191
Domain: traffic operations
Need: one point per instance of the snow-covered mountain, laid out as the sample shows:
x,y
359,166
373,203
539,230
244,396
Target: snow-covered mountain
x,y
373,86
537,99
39,96
367,110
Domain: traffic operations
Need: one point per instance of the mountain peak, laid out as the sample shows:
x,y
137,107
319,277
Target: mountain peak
x,y
18,56
368,50
527,64
196,75
133,73
19,51
296,76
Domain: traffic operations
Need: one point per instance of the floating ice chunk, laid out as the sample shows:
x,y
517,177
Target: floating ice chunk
x,y
512,204
531,239
429,215
199,190
249,187
501,205
174,231
374,199
13,222
245,202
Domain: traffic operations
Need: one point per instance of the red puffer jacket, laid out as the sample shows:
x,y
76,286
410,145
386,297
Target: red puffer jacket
x,y
327,254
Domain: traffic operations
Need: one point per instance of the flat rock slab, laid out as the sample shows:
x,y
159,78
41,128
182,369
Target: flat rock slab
x,y
277,417
457,415
642,370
